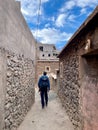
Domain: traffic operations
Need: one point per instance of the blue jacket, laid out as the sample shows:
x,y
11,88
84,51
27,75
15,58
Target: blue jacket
x,y
42,79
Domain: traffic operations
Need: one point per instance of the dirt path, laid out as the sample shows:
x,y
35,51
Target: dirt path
x,y
52,117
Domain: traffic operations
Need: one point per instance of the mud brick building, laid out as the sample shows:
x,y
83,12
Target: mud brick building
x,y
47,61
17,66
78,81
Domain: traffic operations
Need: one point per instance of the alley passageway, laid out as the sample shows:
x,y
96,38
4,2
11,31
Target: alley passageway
x,y
52,117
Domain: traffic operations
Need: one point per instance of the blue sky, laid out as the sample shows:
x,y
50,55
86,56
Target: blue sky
x,y
58,19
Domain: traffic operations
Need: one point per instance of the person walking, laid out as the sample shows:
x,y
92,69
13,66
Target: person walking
x,y
44,87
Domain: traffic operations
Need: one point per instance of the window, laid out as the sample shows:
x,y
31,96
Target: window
x,y
48,55
47,68
41,48
54,54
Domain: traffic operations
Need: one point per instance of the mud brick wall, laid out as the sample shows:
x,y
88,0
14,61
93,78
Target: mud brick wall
x,y
41,65
78,83
17,65
89,93
19,95
90,103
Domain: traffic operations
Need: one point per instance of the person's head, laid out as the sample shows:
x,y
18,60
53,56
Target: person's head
x,y
44,73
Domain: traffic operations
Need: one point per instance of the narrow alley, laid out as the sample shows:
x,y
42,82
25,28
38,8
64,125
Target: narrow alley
x,y
69,57
53,117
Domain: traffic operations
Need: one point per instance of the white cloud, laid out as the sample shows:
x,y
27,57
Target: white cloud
x,y
53,19
51,35
44,1
78,3
68,5
24,12
60,21
30,7
83,11
47,25
71,17
63,18
85,3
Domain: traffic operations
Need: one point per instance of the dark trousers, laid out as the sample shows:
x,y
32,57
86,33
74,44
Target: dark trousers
x,y
44,96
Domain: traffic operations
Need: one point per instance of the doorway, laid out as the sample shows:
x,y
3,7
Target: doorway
x,y
89,91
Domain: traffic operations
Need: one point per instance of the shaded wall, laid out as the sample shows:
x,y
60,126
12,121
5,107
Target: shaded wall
x,y
17,68
89,97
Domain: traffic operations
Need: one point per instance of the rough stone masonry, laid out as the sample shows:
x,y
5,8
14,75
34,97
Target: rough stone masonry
x,y
69,89
19,90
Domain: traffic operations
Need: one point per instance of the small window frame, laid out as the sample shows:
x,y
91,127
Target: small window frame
x,y
47,68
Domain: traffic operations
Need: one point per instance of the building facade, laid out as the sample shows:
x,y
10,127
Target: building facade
x,y
47,61
47,52
78,82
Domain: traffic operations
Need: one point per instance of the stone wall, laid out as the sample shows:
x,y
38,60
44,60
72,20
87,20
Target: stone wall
x,y
78,78
69,86
19,95
17,68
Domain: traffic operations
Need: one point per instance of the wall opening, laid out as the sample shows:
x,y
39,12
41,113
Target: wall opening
x,y
89,91
41,48
47,68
